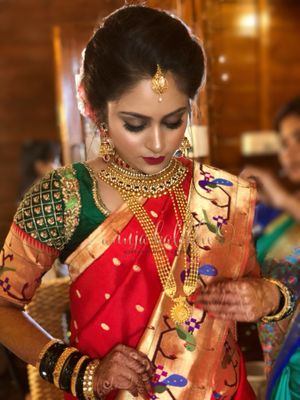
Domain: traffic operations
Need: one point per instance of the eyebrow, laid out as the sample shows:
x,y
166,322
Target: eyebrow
x,y
137,115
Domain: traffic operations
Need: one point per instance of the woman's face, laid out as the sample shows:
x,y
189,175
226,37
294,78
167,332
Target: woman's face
x,y
145,132
289,154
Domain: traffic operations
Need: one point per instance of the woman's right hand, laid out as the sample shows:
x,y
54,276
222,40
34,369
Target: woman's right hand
x,y
123,368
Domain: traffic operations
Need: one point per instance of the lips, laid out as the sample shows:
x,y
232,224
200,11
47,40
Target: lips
x,y
154,160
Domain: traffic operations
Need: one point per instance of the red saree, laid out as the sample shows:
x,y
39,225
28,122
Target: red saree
x,y
116,295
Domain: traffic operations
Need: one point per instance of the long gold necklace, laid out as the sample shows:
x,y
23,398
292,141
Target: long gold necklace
x,y
133,185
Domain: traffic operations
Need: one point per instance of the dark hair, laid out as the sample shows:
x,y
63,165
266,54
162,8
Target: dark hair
x,y
127,48
288,109
32,151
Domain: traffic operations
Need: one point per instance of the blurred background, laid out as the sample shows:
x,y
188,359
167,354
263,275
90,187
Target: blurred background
x,y
253,60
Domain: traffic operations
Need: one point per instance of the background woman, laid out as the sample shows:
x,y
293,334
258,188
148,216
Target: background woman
x,y
278,248
158,248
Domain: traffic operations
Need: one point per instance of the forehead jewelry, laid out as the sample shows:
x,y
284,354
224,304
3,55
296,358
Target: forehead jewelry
x,y
159,83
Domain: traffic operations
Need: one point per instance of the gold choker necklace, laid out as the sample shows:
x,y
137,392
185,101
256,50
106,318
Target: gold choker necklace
x,y
139,184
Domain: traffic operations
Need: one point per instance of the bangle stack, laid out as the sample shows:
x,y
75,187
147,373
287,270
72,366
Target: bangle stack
x,y
68,369
287,302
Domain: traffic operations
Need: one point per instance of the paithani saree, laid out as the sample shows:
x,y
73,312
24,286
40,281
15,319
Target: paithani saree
x,y
116,295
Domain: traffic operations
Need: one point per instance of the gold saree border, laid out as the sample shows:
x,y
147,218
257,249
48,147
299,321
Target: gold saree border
x,y
98,241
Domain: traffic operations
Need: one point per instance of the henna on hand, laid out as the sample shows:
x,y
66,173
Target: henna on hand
x,y
123,368
246,299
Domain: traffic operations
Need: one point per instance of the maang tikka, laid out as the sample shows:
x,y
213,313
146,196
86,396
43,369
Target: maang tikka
x,y
159,83
106,150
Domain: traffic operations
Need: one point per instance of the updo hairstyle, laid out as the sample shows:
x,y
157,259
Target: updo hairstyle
x,y
127,47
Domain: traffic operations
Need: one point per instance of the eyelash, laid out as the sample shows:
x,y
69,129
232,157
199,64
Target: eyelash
x,y
132,128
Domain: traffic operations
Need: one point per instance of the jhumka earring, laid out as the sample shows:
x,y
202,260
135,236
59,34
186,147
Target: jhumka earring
x,y
106,151
184,148
159,83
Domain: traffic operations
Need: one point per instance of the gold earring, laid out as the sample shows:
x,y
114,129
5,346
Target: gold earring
x,y
106,150
184,148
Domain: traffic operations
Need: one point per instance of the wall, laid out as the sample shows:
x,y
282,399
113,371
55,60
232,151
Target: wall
x,y
253,68
27,95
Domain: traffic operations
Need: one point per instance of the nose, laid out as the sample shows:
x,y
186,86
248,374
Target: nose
x,y
155,141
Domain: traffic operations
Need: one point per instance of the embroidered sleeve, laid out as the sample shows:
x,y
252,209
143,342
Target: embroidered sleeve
x,y
44,223
50,210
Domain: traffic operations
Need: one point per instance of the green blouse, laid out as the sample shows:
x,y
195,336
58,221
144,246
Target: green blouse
x,y
62,209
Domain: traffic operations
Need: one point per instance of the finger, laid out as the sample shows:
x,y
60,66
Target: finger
x,y
226,299
144,361
130,352
138,357
135,365
123,359
218,309
243,314
135,381
145,378
217,288
239,317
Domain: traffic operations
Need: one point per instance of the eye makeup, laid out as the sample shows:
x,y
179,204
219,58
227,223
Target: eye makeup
x,y
170,121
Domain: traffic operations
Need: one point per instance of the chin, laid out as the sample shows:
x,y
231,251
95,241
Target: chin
x,y
152,169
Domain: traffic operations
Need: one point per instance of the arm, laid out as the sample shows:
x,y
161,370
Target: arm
x,y
28,252
20,333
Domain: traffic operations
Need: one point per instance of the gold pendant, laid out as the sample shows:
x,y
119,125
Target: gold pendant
x,y
180,312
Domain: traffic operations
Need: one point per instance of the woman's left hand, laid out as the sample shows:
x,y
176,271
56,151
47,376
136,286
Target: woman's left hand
x,y
246,299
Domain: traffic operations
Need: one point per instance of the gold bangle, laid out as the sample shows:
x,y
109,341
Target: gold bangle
x,y
288,302
60,363
88,380
75,374
45,349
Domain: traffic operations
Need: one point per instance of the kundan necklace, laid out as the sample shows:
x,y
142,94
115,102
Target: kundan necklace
x,y
132,185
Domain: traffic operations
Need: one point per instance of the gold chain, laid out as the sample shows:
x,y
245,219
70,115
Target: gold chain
x,y
127,182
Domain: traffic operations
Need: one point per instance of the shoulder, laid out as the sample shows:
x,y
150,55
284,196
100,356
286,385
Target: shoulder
x,y
49,211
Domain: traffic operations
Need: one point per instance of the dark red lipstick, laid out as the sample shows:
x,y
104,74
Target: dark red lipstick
x,y
154,160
